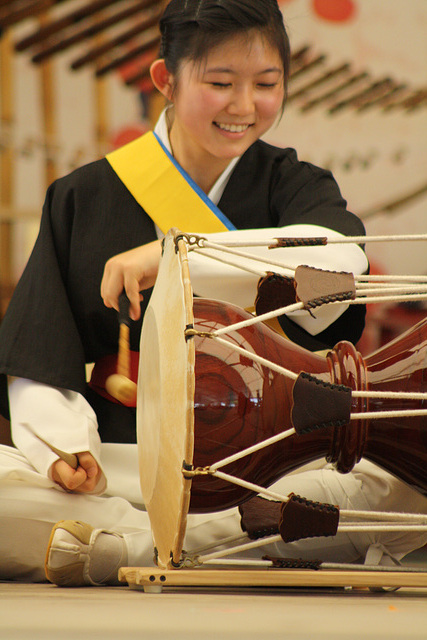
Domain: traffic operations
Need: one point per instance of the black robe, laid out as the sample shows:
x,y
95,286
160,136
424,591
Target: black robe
x,y
56,321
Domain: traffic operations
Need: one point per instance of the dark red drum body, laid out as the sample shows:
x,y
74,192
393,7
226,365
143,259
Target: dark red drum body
x,y
239,403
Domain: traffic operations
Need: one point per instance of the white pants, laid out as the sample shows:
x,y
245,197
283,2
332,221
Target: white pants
x,y
30,504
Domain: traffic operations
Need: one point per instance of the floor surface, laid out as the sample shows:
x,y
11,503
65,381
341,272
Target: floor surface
x,y
43,611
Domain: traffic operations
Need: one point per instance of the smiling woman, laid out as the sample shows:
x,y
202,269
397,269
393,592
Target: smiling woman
x,y
223,66
226,84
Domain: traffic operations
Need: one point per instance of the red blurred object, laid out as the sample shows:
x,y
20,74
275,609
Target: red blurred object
x,y
136,65
387,321
127,134
335,10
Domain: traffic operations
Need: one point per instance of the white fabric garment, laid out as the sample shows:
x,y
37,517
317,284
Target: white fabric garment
x,y
31,503
61,417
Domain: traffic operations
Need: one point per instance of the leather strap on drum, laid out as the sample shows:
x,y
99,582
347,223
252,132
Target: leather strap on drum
x,y
318,404
315,287
274,291
260,517
299,242
302,518
295,519
292,563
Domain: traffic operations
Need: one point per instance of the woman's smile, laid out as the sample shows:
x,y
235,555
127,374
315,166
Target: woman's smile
x,y
233,128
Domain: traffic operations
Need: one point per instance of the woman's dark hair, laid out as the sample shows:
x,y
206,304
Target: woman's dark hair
x,y
191,28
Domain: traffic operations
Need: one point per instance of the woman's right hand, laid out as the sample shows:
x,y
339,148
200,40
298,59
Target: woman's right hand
x,y
84,479
133,271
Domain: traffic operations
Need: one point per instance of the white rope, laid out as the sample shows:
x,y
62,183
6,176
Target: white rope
x,y
385,516
355,526
390,395
299,305
343,566
256,319
391,278
414,237
395,290
378,415
243,254
410,297
363,280
354,416
367,415
363,288
236,562
382,516
392,286
291,270
254,544
256,358
384,298
258,272
249,485
256,447
239,548
340,240
213,545
386,395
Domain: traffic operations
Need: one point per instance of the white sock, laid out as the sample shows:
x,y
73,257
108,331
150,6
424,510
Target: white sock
x,y
107,555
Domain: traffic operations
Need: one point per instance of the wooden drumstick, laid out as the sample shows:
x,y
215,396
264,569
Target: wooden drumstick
x,y
70,458
119,385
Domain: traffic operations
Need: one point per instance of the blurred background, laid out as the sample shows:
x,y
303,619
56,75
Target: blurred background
x,y
74,84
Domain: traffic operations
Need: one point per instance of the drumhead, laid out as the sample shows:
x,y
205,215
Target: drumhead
x,y
165,406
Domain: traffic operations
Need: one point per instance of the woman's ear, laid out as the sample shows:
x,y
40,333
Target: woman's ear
x,y
161,78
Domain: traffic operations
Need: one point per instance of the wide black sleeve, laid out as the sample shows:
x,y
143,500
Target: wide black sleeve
x,y
302,193
271,187
305,194
38,335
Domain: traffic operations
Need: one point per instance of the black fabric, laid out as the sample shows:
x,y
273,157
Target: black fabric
x,y
349,326
116,422
57,322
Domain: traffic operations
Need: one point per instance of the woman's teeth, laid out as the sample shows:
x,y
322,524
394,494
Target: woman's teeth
x,y
233,128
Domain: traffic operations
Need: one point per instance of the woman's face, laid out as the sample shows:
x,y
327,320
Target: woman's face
x,y
223,105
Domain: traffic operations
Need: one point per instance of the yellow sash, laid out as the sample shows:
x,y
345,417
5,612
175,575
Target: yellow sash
x,y
166,192
163,189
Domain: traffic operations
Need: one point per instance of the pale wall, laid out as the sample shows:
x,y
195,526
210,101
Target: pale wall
x,y
387,37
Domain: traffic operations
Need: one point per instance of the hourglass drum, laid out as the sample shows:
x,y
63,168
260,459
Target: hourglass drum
x,y
202,400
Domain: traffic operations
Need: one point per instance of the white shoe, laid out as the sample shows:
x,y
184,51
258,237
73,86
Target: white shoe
x,y
68,557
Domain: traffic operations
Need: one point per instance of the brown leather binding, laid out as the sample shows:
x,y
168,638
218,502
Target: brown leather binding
x,y
299,242
260,517
317,286
274,291
302,518
292,563
295,519
318,404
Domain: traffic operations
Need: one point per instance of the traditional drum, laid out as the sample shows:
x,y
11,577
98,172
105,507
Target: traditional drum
x,y
201,400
